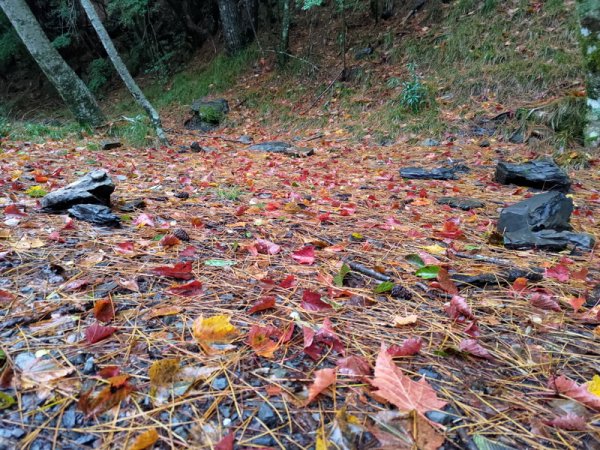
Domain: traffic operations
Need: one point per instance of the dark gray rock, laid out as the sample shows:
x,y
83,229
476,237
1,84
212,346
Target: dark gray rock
x,y
219,383
69,419
133,205
110,144
498,279
440,417
417,173
542,222
195,123
267,415
363,53
430,143
245,139
542,174
90,366
96,214
517,137
463,203
93,188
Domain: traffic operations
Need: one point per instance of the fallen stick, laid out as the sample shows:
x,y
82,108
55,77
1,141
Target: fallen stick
x,y
488,259
357,267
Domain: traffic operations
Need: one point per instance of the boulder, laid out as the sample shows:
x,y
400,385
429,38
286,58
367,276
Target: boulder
x,y
207,114
93,188
110,144
542,222
463,203
541,173
95,214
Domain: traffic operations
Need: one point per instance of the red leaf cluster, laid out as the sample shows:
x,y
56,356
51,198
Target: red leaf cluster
x,y
316,341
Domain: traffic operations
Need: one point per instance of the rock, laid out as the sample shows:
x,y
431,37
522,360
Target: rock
x,y
245,139
93,188
267,415
281,147
96,214
363,53
541,174
484,143
517,137
110,144
90,366
133,205
207,114
401,292
219,383
440,417
429,143
498,279
417,173
542,222
460,202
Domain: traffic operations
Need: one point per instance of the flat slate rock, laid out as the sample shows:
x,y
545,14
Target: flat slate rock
x,y
95,214
281,147
541,174
542,221
110,144
93,188
499,279
439,173
463,203
219,106
195,123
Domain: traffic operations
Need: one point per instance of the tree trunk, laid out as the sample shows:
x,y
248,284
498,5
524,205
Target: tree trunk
x,y
589,19
121,69
231,24
72,90
284,43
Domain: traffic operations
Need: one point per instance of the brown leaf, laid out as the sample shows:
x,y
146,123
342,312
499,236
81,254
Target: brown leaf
x,y
259,338
118,390
315,341
262,304
323,379
569,422
400,390
145,440
164,371
104,310
474,348
458,309
571,389
353,366
164,311
446,283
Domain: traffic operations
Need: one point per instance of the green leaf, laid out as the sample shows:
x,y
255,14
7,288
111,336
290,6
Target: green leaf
x,y
36,191
219,263
158,237
338,280
386,286
484,443
471,247
6,401
415,260
428,272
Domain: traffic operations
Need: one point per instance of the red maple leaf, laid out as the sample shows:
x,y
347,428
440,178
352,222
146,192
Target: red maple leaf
x,y
181,271
305,255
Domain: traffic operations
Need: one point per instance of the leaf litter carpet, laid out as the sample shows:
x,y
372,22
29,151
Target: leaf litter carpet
x,y
254,300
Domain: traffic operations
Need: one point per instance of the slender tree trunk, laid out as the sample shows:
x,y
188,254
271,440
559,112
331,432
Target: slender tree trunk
x,y
231,24
284,43
121,69
72,90
589,19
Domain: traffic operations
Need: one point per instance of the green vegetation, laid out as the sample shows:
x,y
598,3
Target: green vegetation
x,y
136,131
231,193
40,132
415,95
99,72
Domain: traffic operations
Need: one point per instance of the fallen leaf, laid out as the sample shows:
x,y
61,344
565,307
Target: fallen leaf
x,y
353,366
400,390
267,247
473,347
262,304
163,311
28,244
118,389
180,271
164,371
409,347
401,321
143,220
576,303
594,386
558,272
305,255
226,443
104,310
169,240
543,300
457,309
13,210
109,372
571,389
39,371
569,422
446,283
6,296
315,341
323,379
311,301
259,338
145,440
288,282
212,332
97,332
189,289
125,248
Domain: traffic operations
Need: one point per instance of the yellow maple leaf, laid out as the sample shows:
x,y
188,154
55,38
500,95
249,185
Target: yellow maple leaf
x,y
435,249
145,440
213,330
594,386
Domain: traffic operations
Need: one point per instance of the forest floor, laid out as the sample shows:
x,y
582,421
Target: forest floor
x,y
247,330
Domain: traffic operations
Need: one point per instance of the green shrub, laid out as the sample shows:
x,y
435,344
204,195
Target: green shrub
x,y
99,73
415,95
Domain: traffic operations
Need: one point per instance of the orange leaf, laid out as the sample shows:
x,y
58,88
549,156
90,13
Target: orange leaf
x,y
262,304
446,283
259,340
145,440
576,303
323,379
400,390
164,311
104,310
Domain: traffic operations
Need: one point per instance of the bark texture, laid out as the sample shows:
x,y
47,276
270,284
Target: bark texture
x,y
72,90
122,70
231,24
284,43
589,19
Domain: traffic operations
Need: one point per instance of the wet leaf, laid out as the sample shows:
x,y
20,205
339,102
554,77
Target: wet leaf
x,y
189,289
267,247
323,379
164,371
305,255
458,309
180,271
569,422
311,301
353,366
259,338
145,440
212,332
400,390
97,332
226,443
473,347
409,347
558,272
338,280
262,304
446,283
6,297
316,341
428,272
571,389
118,389
415,260
39,371
104,310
